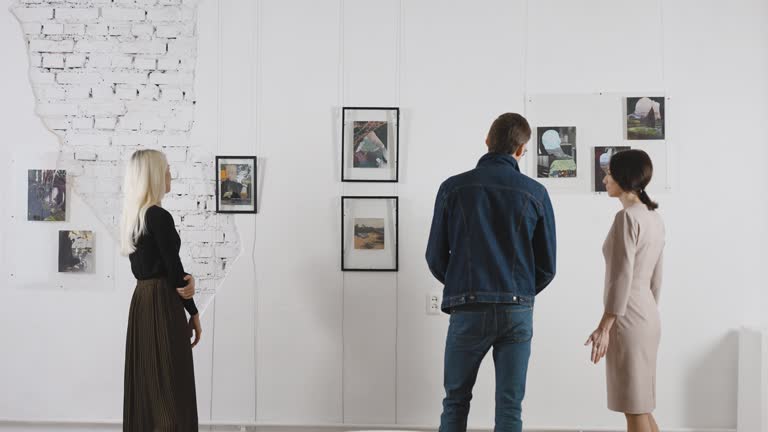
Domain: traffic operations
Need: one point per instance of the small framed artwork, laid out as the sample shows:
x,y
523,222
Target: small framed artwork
x,y
47,195
370,141
556,152
369,233
236,184
645,118
76,252
602,158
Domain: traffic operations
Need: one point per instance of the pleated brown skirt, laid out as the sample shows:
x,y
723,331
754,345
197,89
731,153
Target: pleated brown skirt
x,y
159,393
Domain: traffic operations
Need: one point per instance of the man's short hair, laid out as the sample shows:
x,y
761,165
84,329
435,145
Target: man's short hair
x,y
508,132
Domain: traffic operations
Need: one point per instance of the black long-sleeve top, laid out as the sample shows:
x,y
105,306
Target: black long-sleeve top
x,y
157,253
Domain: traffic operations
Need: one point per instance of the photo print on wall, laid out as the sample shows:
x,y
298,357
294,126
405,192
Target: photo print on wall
x,y
369,233
556,151
236,184
370,144
76,252
645,118
47,195
602,158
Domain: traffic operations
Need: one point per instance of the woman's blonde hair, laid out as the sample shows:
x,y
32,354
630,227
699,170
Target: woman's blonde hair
x,y
144,187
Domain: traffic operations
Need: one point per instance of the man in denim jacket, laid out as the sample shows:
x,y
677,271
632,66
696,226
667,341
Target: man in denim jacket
x,y
492,245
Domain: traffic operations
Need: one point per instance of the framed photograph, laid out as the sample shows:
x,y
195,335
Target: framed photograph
x,y
556,152
602,158
645,118
47,195
370,141
76,252
236,184
369,233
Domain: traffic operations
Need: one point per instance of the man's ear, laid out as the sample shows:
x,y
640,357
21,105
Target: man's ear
x,y
520,151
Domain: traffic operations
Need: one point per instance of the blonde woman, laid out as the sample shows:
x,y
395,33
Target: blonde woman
x,y
630,329
159,393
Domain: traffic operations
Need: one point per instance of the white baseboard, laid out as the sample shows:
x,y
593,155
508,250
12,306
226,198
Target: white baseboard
x,y
12,425
753,380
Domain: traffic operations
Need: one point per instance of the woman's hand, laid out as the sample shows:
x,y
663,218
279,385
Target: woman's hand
x,y
195,328
188,291
599,340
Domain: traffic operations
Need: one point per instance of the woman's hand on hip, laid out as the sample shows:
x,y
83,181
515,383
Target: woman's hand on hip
x,y
195,329
188,291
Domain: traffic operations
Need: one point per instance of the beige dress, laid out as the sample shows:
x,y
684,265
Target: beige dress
x,y
633,254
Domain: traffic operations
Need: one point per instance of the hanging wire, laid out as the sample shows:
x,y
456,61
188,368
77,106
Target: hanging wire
x,y
340,97
255,109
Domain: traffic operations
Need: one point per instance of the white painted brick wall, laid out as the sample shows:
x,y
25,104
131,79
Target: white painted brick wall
x,y
82,123
114,76
52,92
166,13
75,60
53,61
31,28
77,15
174,141
126,92
149,92
57,123
85,155
182,47
119,29
39,76
143,30
103,109
154,46
78,92
56,109
96,29
119,14
102,92
144,63
94,46
78,77
170,30
96,61
87,140
126,77
168,63
121,61
53,28
32,14
44,45
203,252
105,123
74,29
171,94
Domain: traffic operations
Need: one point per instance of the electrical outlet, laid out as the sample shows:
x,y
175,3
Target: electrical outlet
x,y
433,304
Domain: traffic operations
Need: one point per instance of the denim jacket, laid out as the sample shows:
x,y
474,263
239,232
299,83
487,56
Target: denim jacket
x,y
493,235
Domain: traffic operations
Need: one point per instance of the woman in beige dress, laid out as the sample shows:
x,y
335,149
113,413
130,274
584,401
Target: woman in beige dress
x,y
629,332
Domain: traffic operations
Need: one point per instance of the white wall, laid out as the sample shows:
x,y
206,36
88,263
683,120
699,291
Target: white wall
x,y
292,340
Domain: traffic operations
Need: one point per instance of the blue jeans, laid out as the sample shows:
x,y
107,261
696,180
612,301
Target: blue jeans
x,y
473,330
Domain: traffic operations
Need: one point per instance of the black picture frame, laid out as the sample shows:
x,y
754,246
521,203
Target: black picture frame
x,y
396,199
344,172
254,186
